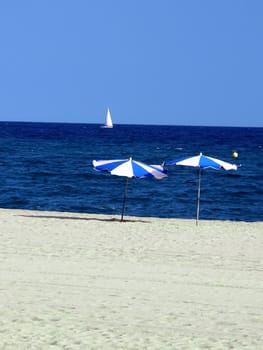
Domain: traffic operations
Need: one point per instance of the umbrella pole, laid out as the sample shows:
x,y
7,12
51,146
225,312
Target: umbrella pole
x,y
198,196
124,198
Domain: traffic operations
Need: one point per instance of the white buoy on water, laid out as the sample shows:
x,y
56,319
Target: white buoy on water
x,y
234,154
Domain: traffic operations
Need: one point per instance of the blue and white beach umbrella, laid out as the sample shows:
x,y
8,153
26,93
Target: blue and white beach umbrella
x,y
201,162
129,168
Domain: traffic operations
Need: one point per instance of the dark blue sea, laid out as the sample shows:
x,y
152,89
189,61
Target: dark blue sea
x,y
48,166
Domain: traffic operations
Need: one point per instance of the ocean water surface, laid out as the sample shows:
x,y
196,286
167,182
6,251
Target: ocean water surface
x,y
48,166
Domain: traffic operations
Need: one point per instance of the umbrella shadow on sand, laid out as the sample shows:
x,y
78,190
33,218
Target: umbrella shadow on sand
x,y
81,218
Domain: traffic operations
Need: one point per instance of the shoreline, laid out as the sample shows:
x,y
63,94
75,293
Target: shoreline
x,y
114,217
87,281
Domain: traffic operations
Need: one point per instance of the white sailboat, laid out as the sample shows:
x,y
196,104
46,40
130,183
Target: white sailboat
x,y
108,122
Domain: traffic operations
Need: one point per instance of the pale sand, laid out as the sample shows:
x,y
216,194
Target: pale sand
x,y
76,281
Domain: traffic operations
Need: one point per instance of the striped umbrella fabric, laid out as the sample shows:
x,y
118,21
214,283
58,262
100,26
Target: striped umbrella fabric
x,y
201,162
129,168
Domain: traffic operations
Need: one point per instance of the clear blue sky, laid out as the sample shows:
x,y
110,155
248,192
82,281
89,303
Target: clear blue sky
x,y
178,62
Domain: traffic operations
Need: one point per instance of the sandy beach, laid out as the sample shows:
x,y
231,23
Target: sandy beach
x,y
84,281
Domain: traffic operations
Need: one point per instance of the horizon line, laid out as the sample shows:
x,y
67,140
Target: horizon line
x,y
124,124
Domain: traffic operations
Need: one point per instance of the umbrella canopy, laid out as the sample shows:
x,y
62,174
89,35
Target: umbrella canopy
x,y
201,162
129,168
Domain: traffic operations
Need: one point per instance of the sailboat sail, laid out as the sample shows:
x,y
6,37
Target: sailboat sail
x,y
108,121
